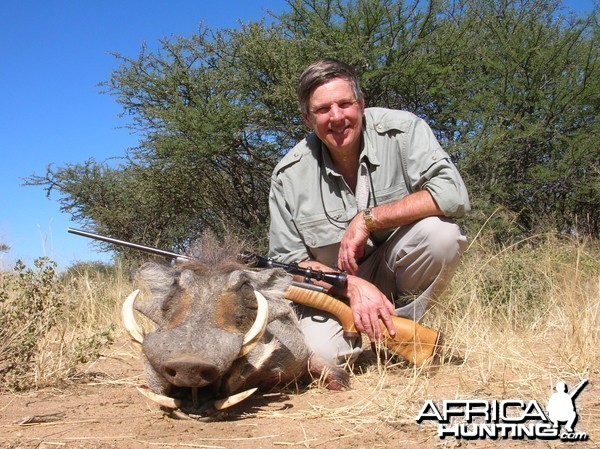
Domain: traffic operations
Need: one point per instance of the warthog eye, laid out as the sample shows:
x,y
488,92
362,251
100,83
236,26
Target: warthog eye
x,y
175,308
236,308
246,293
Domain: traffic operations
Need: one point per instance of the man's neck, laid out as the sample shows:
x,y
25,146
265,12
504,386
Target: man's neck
x,y
346,163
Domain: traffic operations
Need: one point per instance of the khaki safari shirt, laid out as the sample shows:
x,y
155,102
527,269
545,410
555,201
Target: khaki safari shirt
x,y
310,203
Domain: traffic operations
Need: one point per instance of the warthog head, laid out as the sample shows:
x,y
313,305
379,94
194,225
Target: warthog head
x,y
220,329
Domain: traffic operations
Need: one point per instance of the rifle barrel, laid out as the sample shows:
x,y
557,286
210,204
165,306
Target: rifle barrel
x,y
332,278
158,252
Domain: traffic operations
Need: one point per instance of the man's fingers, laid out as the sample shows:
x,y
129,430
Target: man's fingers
x,y
347,262
352,266
370,324
390,308
389,323
376,328
368,328
364,323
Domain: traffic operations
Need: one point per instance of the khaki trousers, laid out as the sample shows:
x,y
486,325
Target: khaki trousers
x,y
412,268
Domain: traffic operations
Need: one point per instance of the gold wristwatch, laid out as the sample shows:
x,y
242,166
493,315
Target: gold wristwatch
x,y
368,217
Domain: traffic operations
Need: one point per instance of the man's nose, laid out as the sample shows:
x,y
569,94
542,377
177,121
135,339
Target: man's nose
x,y
336,113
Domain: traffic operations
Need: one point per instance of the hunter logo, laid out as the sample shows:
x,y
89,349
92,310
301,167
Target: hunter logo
x,y
508,419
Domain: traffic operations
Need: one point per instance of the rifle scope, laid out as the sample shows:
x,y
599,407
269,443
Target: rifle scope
x,y
332,278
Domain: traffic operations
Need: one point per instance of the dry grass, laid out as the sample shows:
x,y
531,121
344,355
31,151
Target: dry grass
x,y
526,312
58,322
516,320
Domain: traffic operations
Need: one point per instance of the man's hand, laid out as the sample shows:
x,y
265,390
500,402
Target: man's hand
x,y
401,212
352,246
369,305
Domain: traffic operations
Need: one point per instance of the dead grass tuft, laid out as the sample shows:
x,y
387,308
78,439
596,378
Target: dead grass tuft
x,y
52,323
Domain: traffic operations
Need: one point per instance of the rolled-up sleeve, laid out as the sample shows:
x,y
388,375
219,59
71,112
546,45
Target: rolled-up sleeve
x,y
285,243
430,168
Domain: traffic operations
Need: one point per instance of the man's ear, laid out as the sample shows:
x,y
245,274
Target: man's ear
x,y
361,104
307,122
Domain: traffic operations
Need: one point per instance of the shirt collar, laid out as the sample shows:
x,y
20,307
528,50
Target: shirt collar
x,y
368,155
369,152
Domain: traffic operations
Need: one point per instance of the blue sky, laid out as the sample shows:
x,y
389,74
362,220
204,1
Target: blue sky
x,y
54,54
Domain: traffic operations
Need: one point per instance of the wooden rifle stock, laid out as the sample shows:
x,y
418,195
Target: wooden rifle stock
x,y
413,342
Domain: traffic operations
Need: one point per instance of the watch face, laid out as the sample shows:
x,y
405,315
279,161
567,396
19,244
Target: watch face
x,y
368,217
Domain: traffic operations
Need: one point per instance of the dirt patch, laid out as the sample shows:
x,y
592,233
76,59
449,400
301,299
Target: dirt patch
x,y
103,409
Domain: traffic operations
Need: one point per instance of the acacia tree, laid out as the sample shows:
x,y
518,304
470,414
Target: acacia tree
x,y
510,88
535,91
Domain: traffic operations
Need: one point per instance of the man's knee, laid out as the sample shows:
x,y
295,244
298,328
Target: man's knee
x,y
426,256
443,239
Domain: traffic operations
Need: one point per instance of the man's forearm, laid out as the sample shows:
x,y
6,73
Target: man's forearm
x,y
406,210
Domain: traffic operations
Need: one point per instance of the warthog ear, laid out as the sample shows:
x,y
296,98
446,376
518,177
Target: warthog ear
x,y
273,282
162,281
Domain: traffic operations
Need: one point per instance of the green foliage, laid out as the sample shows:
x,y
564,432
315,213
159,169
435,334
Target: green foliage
x,y
511,89
31,303
87,348
88,269
537,94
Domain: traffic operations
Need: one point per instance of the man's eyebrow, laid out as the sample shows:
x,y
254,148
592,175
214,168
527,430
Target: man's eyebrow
x,y
317,106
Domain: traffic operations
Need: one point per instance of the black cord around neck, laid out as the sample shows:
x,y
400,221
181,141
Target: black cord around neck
x,y
334,221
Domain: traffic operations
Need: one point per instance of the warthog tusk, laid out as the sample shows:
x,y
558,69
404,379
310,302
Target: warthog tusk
x,y
175,404
222,404
165,401
258,328
128,318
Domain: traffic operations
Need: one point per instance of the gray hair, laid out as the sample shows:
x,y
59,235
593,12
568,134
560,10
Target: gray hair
x,y
319,73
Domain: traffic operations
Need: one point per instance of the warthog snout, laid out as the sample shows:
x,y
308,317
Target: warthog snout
x,y
189,371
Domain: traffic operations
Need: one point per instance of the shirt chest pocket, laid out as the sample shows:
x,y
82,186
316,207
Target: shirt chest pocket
x,y
389,194
322,236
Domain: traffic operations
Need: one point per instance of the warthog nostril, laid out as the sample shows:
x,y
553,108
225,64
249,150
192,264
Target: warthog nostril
x,y
190,372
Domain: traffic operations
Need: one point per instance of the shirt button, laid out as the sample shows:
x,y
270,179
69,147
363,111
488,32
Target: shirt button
x,y
379,127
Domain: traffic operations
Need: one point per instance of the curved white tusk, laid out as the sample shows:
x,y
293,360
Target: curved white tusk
x,y
222,404
258,328
165,401
128,318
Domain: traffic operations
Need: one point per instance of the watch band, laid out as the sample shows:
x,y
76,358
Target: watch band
x,y
368,218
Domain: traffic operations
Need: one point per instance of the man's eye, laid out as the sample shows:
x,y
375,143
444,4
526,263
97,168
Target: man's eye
x,y
346,104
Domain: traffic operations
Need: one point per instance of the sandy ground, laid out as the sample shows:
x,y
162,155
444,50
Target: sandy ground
x,y
103,409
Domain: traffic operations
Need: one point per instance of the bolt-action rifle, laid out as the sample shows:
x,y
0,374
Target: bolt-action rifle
x,y
413,342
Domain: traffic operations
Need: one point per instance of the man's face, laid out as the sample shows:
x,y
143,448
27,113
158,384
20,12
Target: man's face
x,y
335,116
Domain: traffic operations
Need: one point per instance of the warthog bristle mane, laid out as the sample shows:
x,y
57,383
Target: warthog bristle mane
x,y
218,253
